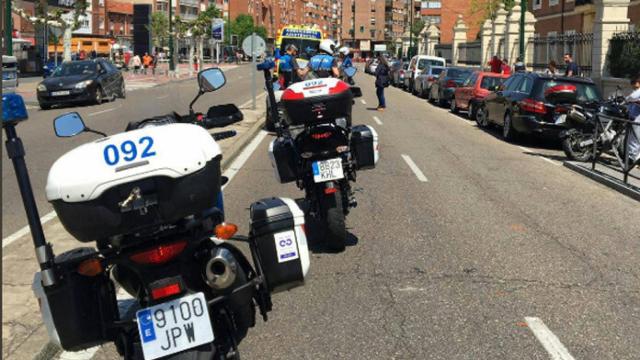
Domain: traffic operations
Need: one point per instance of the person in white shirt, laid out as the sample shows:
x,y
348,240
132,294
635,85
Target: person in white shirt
x,y
633,102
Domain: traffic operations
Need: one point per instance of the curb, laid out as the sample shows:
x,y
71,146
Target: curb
x,y
242,142
48,351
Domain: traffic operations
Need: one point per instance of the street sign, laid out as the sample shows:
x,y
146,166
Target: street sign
x,y
217,29
259,46
380,47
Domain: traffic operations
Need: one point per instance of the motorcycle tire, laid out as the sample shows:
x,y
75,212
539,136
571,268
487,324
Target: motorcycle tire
x,y
269,122
576,154
332,215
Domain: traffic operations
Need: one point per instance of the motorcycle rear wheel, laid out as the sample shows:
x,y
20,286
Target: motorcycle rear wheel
x,y
572,150
333,221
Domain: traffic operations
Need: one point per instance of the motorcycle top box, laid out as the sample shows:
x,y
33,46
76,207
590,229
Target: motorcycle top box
x,y
318,100
562,94
135,181
277,227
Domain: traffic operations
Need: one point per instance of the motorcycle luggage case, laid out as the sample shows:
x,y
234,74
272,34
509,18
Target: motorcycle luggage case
x,y
92,188
79,310
318,100
364,146
280,241
283,159
562,94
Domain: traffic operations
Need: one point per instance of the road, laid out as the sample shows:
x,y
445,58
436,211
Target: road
x,y
463,246
43,147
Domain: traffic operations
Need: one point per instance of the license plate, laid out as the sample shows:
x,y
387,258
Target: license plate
x,y
174,326
561,119
327,170
60,93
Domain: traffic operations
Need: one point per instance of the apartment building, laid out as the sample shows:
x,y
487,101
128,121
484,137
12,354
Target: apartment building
x,y
444,14
366,23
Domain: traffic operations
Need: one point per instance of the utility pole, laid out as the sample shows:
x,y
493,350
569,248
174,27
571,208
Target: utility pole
x,y
410,50
172,65
354,22
8,29
523,10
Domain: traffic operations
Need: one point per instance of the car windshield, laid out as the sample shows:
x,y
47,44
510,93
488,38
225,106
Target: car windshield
x,y
436,71
75,68
306,48
585,92
489,82
458,73
423,63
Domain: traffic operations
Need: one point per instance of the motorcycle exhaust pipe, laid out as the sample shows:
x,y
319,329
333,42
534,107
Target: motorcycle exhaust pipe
x,y
221,270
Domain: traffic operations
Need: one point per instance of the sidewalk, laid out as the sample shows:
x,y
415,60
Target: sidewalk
x,y
23,334
133,82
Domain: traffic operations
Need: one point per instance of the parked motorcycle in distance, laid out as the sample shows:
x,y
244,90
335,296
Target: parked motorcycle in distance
x,y
150,200
318,149
581,122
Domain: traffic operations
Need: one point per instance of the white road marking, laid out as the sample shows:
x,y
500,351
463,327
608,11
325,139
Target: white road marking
x,y
363,102
101,112
163,97
414,168
377,120
248,102
237,164
25,230
525,149
550,161
549,340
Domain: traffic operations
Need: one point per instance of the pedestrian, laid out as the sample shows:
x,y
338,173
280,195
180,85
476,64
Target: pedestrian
x,y
288,67
519,66
552,68
572,68
146,61
135,61
127,59
382,81
495,64
195,62
94,54
154,63
633,106
506,69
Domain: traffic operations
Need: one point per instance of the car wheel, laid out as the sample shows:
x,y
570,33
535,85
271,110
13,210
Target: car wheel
x,y
123,91
471,112
98,96
482,118
454,108
429,97
441,101
44,106
508,132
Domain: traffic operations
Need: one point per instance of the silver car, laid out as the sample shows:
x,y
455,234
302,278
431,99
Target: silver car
x,y
9,74
424,81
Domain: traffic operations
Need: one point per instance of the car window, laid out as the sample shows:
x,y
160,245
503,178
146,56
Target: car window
x,y
428,62
513,85
585,92
75,68
489,82
436,71
110,67
458,73
471,80
526,85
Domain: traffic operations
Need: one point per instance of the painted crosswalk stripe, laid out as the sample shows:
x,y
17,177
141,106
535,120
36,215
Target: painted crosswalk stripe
x,y
377,120
549,340
363,102
416,170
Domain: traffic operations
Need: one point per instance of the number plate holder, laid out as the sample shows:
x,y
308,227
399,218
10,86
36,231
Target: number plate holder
x,y
60,93
327,170
185,325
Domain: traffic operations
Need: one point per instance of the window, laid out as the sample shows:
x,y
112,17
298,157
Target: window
x,y
432,4
512,83
537,4
553,2
525,85
434,19
490,82
471,80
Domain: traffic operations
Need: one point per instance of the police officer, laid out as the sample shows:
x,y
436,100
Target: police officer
x,y
323,64
288,66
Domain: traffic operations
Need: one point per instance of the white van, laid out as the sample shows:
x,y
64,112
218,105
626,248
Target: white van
x,y
417,65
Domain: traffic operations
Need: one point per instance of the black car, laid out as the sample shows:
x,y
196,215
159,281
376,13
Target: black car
x,y
450,78
81,81
520,107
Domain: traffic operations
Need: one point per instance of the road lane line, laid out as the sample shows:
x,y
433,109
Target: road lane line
x,y
550,161
237,164
549,340
363,102
377,120
163,97
25,230
414,168
101,112
525,149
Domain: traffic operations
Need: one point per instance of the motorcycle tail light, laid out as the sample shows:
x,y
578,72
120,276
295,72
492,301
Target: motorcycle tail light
x,y
159,254
90,267
225,231
341,149
331,190
166,291
319,136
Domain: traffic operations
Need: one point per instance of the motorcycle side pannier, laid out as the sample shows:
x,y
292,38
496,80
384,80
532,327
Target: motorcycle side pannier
x,y
135,181
79,310
318,100
281,244
283,159
364,146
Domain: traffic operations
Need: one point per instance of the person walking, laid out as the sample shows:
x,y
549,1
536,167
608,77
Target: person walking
x,y
552,68
136,63
572,68
382,81
146,62
633,101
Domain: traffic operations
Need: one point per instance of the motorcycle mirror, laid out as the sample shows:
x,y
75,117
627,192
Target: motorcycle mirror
x,y
356,91
211,79
13,109
68,125
350,71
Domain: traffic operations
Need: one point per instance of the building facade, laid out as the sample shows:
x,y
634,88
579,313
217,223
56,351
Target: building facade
x,y
444,14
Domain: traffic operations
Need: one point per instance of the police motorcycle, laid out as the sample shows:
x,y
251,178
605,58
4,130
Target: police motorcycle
x,y
146,205
318,148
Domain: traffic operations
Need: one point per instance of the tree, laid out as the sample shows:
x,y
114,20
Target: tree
x,y
243,26
418,25
488,8
159,28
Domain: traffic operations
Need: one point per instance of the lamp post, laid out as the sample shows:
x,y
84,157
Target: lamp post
x,y
523,10
8,29
410,50
172,65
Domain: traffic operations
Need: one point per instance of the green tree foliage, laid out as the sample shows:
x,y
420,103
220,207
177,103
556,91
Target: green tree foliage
x,y
417,27
489,7
624,55
243,26
159,28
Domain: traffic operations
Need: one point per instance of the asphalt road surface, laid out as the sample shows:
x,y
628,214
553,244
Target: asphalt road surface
x,y
463,246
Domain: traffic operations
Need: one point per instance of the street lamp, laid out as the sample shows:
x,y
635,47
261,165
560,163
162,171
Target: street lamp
x,y
172,65
410,51
523,10
8,29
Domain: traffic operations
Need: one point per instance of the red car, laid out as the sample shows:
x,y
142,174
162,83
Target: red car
x,y
477,86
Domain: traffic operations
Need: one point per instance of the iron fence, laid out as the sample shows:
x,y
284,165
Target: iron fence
x,y
579,45
470,54
444,50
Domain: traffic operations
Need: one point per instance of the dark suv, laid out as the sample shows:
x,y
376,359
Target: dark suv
x,y
520,107
443,89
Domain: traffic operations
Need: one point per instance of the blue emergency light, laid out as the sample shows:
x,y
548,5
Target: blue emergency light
x,y
13,109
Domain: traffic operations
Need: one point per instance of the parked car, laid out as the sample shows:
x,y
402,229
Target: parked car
x,y
81,81
427,78
417,65
9,74
470,94
371,66
519,105
442,90
398,69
